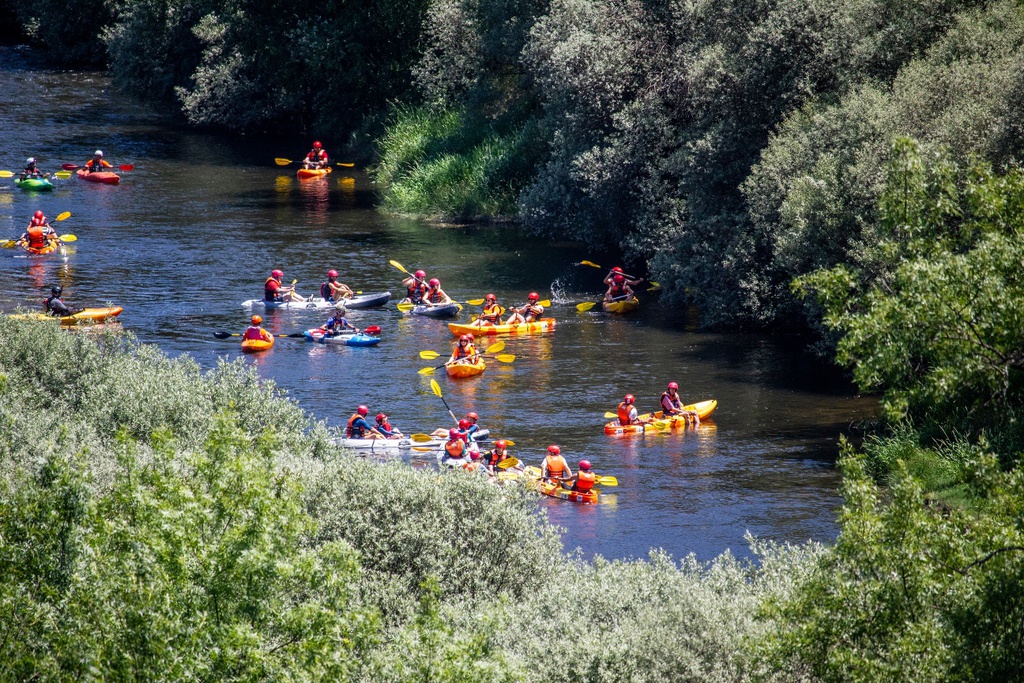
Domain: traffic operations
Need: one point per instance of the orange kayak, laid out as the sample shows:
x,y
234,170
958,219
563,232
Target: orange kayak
x,y
256,345
550,488
51,246
658,422
458,370
307,173
105,177
539,327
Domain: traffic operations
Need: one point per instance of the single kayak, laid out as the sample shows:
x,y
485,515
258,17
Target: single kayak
x,y
257,345
86,315
51,246
444,311
539,327
385,445
658,422
308,173
320,336
371,300
458,370
312,304
555,490
105,177
624,306
37,184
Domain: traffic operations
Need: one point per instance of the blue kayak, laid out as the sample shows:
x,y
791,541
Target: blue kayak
x,y
360,339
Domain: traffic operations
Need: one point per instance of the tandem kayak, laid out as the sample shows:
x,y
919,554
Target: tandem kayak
x,y
105,177
51,246
320,336
308,303
445,311
540,327
37,184
257,345
458,370
385,445
555,490
371,300
308,173
657,421
624,306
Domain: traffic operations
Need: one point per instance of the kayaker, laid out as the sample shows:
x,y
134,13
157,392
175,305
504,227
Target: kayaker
x,y
435,296
415,287
672,405
610,277
474,464
583,480
54,305
317,157
492,312
385,428
337,324
627,411
456,451
465,351
471,424
332,290
97,163
39,234
554,467
494,456
619,289
256,331
274,290
529,313
31,171
358,427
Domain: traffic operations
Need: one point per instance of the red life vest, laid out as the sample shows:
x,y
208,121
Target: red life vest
x,y
556,465
492,313
624,414
617,291
455,449
585,481
270,288
36,237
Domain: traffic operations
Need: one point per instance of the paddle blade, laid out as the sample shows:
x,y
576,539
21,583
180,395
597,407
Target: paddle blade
x,y
435,387
69,238
607,481
63,216
510,442
427,371
222,335
9,244
507,462
495,347
533,470
63,175
585,306
69,167
282,162
405,307
127,167
546,303
421,438
506,357
346,165
398,265
609,416
474,302
589,263
6,174
429,355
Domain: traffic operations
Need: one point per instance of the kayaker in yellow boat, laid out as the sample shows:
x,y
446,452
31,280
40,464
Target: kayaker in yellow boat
x,y
97,163
491,314
54,305
610,277
435,296
415,287
554,467
456,452
497,454
465,351
385,428
619,289
357,426
317,157
583,480
627,411
39,233
332,290
256,331
274,290
31,171
529,313
671,404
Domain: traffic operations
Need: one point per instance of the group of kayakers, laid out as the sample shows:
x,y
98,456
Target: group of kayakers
x,y
671,405
275,290
620,286
421,292
358,427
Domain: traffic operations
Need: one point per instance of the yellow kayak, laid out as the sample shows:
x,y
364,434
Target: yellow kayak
x,y
539,327
87,315
256,345
457,370
657,421
624,306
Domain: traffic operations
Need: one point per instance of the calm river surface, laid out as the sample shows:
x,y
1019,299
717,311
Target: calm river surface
x,y
196,228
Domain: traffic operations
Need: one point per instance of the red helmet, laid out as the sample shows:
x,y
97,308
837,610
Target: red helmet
x,y
469,336
490,297
363,410
474,455
420,274
554,450
619,279
39,214
381,417
434,282
465,424
332,273
453,434
534,296
628,399
500,445
277,273
584,464
616,269
317,145
673,385
256,320
472,416
464,338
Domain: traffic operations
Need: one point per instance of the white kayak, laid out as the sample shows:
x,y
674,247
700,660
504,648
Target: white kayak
x,y
384,445
310,304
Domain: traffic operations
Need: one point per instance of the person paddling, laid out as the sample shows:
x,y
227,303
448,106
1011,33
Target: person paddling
x,y
671,404
416,287
491,314
627,411
529,313
464,352
97,163
618,289
583,480
332,290
554,467
54,305
317,157
357,426
256,331
31,171
274,290
337,324
39,234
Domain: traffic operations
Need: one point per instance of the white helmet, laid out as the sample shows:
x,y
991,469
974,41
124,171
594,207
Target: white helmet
x,y
98,153
30,160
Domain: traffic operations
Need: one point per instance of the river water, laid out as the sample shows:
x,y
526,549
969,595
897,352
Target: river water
x,y
197,226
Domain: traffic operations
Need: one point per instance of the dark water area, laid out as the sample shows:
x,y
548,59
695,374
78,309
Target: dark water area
x,y
195,229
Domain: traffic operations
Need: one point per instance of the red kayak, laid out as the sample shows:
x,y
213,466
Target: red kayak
x,y
105,177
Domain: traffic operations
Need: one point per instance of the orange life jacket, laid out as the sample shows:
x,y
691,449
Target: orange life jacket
x,y
492,313
455,449
466,352
36,237
624,411
585,481
670,404
353,432
556,465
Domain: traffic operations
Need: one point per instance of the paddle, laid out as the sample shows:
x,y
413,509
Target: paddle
x,y
478,302
507,462
225,335
654,285
74,167
284,162
64,175
587,305
503,358
496,347
606,481
436,388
